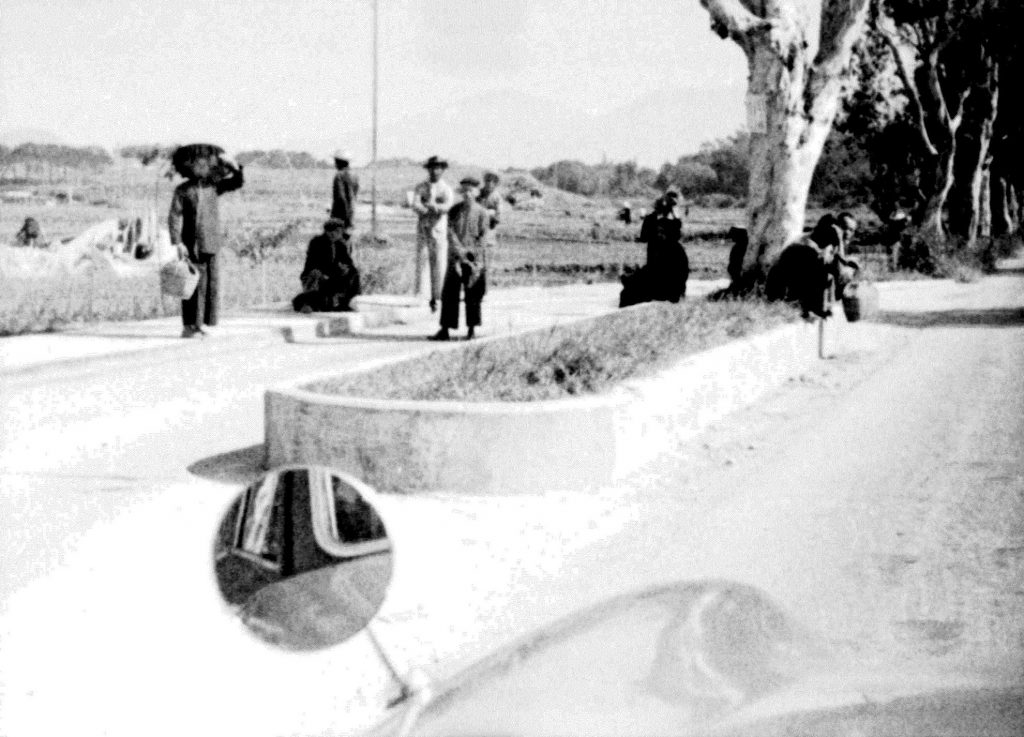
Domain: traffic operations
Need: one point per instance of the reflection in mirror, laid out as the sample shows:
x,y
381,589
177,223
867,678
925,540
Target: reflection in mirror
x,y
303,558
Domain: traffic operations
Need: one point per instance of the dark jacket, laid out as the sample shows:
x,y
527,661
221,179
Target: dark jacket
x,y
468,226
343,198
668,267
326,257
194,219
801,276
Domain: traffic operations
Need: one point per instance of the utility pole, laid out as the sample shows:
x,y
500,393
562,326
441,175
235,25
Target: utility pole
x,y
373,155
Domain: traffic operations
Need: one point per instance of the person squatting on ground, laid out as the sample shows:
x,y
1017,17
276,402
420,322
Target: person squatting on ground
x,y
844,269
804,271
30,235
468,228
194,225
329,277
667,270
431,201
344,191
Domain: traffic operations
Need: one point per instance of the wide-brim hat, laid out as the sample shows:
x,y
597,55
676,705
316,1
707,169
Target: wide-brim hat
x,y
470,181
435,161
342,155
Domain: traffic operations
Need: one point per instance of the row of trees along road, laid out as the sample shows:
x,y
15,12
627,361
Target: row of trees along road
x,y
925,77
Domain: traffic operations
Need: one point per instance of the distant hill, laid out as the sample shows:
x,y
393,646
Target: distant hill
x,y
13,136
515,128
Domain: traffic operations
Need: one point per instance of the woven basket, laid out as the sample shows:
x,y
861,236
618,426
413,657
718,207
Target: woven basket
x,y
860,301
179,279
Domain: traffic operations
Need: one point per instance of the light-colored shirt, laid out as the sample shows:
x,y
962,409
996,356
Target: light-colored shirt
x,y
439,195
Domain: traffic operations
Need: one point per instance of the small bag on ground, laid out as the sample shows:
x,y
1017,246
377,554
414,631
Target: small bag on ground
x,y
179,278
860,301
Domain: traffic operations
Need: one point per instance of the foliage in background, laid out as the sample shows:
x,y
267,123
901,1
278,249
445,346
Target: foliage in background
x,y
280,159
147,154
623,179
37,158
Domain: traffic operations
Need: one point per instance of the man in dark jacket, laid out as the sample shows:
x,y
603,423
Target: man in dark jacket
x,y
194,225
329,278
344,191
804,271
468,228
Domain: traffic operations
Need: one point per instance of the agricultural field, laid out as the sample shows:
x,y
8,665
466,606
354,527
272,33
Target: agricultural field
x,y
554,238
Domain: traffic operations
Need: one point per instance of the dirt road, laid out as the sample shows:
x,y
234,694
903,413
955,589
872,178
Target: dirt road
x,y
880,498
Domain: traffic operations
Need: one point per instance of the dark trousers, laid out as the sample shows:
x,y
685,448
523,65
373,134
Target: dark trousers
x,y
456,280
201,307
328,293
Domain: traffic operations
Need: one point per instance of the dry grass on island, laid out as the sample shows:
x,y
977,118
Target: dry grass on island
x,y
582,358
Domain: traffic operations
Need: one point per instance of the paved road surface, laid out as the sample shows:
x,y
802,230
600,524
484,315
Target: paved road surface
x,y
881,498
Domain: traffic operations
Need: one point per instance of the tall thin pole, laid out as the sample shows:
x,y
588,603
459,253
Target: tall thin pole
x,y
373,157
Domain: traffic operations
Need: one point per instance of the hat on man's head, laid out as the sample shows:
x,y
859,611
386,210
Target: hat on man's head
x,y
672,194
342,155
435,161
334,224
470,181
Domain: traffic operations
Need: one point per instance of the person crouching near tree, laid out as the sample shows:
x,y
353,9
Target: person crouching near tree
x,y
329,277
194,225
468,228
803,273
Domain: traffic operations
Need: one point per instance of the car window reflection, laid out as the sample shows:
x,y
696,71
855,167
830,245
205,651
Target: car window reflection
x,y
354,519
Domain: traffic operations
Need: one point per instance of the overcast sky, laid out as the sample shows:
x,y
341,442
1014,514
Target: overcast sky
x,y
272,73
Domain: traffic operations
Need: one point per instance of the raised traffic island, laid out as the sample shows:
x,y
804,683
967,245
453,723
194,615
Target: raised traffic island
x,y
568,407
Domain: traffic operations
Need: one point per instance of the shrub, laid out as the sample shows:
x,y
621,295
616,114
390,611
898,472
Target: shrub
x,y
581,358
42,304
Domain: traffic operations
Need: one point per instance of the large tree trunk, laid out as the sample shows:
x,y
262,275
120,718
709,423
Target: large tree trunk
x,y
932,222
983,228
974,156
783,153
1002,222
798,53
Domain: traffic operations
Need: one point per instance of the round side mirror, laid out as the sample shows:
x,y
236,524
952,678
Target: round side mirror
x,y
303,558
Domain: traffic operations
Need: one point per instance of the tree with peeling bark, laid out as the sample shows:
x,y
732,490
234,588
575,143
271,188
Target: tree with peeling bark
x,y
990,140
948,61
798,56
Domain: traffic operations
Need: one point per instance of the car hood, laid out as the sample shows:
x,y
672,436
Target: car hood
x,y
696,658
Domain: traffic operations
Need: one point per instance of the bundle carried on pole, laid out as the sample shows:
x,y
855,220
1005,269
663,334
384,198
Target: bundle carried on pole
x,y
185,158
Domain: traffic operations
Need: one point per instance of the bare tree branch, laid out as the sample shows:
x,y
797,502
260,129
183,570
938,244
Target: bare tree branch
x,y
932,69
842,23
732,18
906,74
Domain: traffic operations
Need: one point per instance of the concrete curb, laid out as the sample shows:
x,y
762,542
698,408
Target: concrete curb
x,y
529,447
